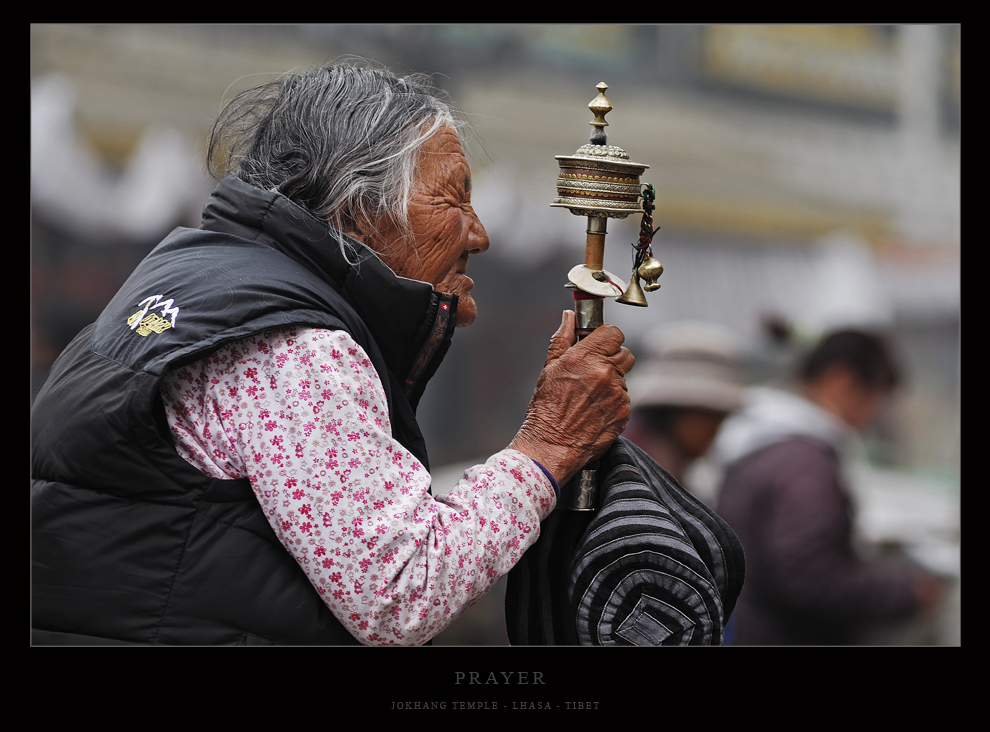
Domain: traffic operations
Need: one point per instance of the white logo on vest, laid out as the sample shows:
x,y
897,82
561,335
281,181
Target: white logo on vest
x,y
144,322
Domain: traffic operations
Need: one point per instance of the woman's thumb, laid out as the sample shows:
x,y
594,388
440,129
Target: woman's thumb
x,y
564,338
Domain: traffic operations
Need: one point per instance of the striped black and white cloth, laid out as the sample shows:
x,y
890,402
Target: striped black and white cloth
x,y
653,566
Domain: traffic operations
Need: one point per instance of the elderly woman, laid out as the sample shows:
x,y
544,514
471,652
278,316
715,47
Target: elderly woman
x,y
230,453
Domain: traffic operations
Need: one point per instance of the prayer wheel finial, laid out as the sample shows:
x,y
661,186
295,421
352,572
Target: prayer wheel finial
x,y
599,106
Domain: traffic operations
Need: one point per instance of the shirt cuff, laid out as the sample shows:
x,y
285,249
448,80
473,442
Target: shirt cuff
x,y
553,481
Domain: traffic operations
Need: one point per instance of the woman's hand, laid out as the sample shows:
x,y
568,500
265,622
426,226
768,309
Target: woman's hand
x,y
580,404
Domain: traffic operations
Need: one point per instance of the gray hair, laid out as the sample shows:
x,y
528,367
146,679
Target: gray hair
x,y
342,141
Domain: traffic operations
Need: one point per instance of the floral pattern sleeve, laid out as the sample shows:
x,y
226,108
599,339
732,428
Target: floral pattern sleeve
x,y
302,415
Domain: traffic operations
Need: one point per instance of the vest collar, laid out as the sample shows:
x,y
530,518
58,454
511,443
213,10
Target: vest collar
x,y
411,322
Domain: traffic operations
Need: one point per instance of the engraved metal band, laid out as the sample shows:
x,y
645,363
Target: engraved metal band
x,y
581,493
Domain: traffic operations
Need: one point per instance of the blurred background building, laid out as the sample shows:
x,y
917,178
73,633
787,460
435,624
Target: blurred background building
x,y
810,173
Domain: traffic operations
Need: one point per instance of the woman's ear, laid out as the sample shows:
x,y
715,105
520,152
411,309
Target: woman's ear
x,y
354,228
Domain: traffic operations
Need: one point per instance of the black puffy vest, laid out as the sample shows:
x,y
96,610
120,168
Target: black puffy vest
x,y
130,543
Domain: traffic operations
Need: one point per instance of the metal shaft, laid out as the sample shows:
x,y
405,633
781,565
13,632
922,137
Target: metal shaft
x,y
594,247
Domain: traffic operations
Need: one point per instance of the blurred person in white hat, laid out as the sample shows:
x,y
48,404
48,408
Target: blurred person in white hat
x,y
685,385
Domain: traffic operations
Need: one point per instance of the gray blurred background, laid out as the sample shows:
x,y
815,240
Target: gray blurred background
x,y
806,172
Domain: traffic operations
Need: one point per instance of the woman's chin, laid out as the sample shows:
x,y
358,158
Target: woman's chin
x,y
467,311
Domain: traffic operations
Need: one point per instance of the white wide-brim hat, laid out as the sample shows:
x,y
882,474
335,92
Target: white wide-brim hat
x,y
689,365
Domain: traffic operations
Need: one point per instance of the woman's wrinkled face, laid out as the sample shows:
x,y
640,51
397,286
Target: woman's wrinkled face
x,y
445,229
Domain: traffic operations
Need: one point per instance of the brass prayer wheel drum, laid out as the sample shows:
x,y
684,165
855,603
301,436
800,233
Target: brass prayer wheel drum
x,y
599,179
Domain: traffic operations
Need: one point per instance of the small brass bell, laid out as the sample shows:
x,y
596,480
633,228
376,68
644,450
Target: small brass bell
x,y
634,294
650,271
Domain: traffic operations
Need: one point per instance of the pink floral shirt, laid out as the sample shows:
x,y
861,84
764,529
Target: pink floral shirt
x,y
302,415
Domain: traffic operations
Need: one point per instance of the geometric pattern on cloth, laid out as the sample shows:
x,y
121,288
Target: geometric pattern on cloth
x,y
652,566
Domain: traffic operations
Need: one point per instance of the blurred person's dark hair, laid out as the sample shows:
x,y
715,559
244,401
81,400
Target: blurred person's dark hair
x,y
868,356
